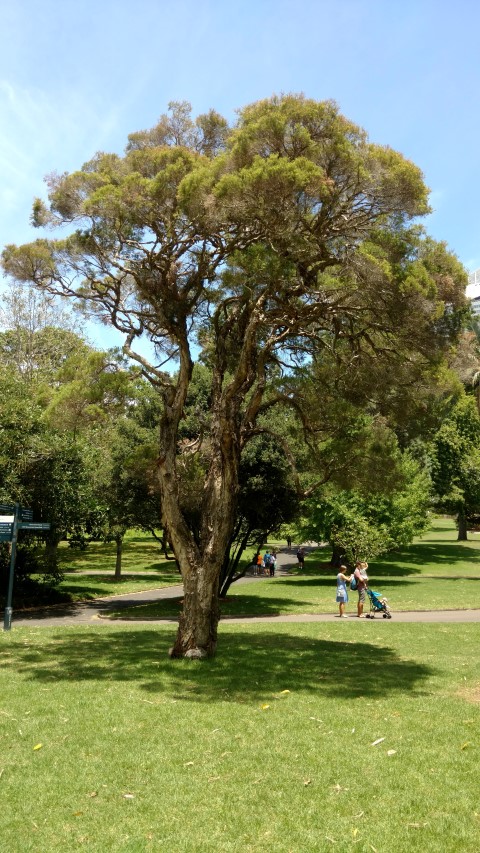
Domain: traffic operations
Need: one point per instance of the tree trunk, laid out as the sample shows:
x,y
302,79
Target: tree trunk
x,y
229,572
197,630
51,553
201,558
200,561
338,557
118,560
462,527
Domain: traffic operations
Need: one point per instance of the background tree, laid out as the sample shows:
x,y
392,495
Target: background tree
x,y
37,335
268,498
126,488
264,245
384,503
456,464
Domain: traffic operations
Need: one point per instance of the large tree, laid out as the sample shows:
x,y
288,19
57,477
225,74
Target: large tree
x,y
261,246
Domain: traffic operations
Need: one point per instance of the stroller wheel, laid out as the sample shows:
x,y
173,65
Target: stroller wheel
x,y
389,615
385,615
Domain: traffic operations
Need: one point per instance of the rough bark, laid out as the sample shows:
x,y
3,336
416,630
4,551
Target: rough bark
x,y
229,572
51,553
338,557
197,630
201,563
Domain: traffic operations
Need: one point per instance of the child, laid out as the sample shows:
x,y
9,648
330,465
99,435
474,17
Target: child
x,y
342,594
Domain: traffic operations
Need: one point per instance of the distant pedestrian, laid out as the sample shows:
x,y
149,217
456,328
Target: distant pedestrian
x,y
273,563
301,557
289,541
342,593
267,559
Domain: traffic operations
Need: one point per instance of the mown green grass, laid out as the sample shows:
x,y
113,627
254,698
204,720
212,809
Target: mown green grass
x,y
252,751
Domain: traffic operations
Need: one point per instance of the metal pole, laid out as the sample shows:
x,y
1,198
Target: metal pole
x,y
7,623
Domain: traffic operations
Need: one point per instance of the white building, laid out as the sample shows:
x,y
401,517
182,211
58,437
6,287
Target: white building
x,y
473,290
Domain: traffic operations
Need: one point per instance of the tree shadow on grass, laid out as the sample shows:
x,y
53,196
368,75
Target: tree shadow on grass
x,y
249,667
321,583
102,586
327,574
237,605
442,554
154,571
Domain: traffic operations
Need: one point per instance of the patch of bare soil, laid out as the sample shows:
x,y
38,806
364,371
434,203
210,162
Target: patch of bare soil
x,y
470,694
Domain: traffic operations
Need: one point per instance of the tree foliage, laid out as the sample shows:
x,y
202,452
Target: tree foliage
x,y
456,463
372,515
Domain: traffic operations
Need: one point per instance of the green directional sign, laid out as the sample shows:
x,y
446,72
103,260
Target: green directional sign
x,y
22,520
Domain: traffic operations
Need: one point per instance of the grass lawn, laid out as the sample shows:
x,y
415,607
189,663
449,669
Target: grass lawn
x,y
141,553
89,574
296,738
435,572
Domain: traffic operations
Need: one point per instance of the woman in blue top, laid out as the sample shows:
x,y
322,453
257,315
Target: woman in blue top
x,y
342,594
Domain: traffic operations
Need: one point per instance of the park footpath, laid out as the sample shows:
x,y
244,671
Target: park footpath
x,y
97,612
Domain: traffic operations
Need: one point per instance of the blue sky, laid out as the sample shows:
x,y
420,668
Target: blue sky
x,y
77,77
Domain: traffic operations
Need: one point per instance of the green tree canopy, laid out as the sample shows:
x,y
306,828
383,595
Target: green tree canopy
x,y
456,463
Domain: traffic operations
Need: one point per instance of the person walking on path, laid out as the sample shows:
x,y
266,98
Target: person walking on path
x,y
273,563
361,577
342,594
267,560
301,558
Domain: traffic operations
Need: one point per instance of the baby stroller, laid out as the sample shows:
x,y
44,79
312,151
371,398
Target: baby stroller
x,y
378,604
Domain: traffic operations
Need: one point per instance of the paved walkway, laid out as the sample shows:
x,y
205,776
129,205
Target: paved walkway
x,y
91,612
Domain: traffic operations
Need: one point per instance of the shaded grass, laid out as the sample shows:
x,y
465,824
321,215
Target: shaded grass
x,y
89,587
218,757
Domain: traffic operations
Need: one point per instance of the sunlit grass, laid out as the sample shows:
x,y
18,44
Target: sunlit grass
x,y
108,745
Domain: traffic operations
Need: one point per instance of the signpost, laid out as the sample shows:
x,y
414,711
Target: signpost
x,y
6,531
14,519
